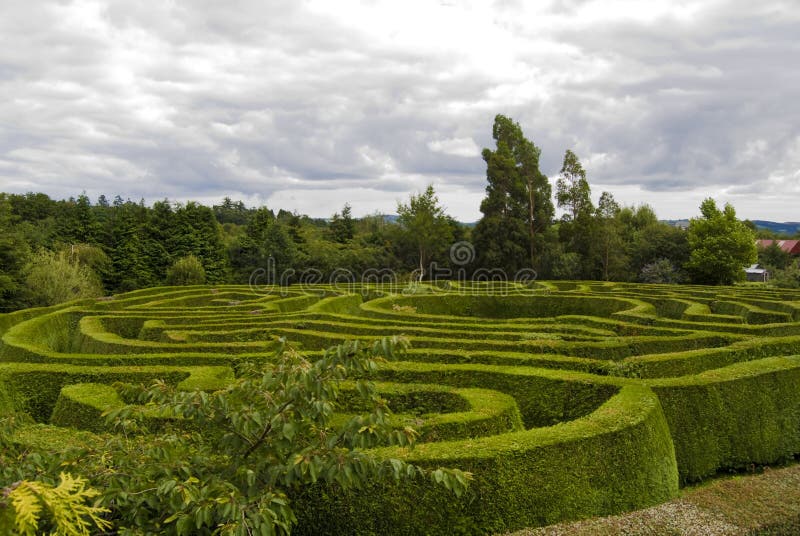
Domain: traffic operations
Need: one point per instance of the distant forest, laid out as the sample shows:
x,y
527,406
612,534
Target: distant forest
x,y
54,250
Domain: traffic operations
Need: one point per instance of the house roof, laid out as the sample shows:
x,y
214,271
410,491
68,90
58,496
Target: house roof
x,y
789,246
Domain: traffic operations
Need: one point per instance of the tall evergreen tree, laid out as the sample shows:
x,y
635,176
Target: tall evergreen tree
x,y
78,222
198,233
130,258
14,253
572,188
231,212
266,244
517,207
342,227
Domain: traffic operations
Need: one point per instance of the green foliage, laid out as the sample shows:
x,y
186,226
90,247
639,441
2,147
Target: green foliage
x,y
733,417
774,257
265,435
425,225
517,207
655,241
616,457
231,212
584,389
186,271
608,246
77,221
198,233
578,223
572,188
660,271
14,253
62,510
55,278
342,226
787,278
721,246
266,243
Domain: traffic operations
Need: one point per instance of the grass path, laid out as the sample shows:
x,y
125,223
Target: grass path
x,y
763,504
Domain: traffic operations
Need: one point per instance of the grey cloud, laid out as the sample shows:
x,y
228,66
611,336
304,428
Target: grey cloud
x,y
201,99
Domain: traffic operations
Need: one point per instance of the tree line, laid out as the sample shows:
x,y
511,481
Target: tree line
x,y
53,250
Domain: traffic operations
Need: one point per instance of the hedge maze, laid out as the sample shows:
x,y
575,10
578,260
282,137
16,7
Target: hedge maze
x,y
565,399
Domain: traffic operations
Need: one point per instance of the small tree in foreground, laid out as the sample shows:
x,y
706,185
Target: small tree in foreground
x,y
241,452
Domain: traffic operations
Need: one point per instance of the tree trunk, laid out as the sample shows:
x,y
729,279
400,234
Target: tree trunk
x,y
421,261
532,227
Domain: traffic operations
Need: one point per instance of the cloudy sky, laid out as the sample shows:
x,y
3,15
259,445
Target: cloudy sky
x,y
306,105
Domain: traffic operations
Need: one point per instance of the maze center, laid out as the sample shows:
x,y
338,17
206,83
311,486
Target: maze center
x,y
565,399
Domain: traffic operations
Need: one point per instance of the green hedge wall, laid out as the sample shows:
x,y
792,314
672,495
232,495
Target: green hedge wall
x,y
35,389
747,413
503,306
521,479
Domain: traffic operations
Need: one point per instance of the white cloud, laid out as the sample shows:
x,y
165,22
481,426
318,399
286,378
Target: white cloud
x,y
455,146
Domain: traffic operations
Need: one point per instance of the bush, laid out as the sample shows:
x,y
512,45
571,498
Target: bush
x,y
661,271
786,278
186,271
53,278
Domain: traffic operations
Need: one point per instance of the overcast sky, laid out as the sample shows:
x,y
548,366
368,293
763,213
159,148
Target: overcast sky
x,y
306,105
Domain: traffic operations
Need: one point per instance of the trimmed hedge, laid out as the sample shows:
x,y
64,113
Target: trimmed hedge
x,y
733,417
82,405
566,399
440,413
529,478
503,306
35,388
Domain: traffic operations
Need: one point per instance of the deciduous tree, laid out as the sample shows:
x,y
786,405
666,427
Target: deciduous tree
x,y
255,444
425,226
53,278
720,244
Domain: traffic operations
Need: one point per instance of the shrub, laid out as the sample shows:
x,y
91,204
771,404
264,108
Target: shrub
x,y
186,271
660,271
54,278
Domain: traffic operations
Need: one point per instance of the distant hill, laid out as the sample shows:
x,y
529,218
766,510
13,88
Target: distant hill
x,y
683,224
392,218
789,227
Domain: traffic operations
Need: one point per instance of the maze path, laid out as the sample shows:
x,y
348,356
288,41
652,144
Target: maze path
x,y
566,399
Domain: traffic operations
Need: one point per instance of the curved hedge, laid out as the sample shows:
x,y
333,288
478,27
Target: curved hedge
x,y
566,399
617,458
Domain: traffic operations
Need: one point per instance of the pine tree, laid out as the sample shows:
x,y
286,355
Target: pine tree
x,y
198,233
78,222
266,244
343,227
